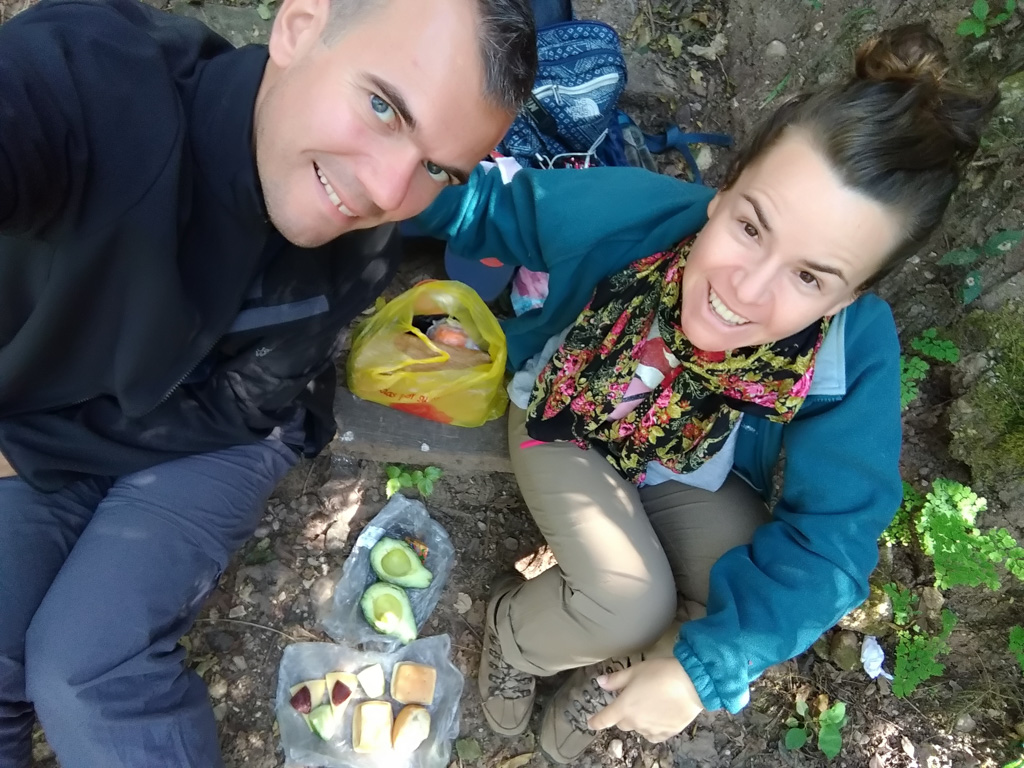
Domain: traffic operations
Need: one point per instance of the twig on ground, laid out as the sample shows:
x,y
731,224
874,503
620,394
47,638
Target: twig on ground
x,y
256,626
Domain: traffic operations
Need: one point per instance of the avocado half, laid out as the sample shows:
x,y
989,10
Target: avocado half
x,y
388,610
396,562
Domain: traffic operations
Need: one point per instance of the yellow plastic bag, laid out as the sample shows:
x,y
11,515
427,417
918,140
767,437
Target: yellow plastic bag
x,y
380,369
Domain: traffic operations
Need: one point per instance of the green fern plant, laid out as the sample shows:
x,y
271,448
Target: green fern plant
x,y
1017,645
900,530
931,345
962,554
912,370
917,655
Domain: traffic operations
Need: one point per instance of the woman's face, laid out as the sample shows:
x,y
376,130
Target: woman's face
x,y
786,245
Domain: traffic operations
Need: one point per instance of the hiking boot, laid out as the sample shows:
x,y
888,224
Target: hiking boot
x,y
564,734
506,692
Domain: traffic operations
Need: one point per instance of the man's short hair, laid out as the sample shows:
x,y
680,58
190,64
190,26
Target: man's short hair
x,y
508,44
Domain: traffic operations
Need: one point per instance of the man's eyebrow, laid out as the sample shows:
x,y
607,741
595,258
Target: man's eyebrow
x,y
760,213
813,265
395,99
398,103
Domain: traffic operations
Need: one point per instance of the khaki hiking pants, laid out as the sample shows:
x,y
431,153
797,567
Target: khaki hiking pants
x,y
632,563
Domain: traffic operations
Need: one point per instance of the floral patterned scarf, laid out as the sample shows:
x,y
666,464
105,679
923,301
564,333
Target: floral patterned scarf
x,y
686,418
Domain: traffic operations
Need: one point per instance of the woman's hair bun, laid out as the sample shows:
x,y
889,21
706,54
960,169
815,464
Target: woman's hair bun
x,y
908,53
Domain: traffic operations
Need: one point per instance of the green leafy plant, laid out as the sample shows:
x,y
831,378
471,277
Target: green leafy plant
x,y
827,721
962,554
997,245
904,604
917,655
912,370
1017,645
979,22
901,529
401,477
930,345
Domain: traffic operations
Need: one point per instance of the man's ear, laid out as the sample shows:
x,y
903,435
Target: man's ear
x,y
298,28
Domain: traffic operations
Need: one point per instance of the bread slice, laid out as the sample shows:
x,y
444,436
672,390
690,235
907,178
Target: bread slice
x,y
412,726
413,683
371,726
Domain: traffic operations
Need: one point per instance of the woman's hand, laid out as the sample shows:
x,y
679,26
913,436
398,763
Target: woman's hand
x,y
656,699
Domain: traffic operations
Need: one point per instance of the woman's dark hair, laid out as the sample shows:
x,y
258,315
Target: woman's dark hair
x,y
896,131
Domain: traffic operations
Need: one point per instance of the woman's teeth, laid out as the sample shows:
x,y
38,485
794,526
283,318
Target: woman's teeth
x,y
723,312
332,195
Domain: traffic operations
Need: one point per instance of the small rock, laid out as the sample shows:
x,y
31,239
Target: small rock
x,y
964,724
776,49
424,447
262,532
237,612
931,609
511,544
220,711
218,688
819,26
929,756
845,650
615,748
337,537
220,642
821,648
240,663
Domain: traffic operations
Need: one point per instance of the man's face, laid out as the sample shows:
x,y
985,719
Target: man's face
x,y
371,127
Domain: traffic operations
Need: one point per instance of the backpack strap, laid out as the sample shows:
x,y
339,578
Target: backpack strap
x,y
674,138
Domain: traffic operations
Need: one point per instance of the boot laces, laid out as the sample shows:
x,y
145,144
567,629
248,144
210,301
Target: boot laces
x,y
592,698
506,681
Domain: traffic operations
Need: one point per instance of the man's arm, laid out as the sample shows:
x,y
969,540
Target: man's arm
x,y
36,143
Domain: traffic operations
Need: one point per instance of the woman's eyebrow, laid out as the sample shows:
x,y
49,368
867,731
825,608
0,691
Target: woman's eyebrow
x,y
758,212
817,267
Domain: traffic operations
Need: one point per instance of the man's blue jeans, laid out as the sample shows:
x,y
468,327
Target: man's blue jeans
x,y
97,584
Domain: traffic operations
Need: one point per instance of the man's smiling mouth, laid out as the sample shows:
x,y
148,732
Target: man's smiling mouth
x,y
332,195
725,314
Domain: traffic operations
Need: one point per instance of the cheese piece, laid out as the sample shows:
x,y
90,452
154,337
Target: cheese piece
x,y
372,681
413,683
412,726
371,726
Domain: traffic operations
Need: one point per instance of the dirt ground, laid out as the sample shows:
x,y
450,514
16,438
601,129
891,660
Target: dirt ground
x,y
735,58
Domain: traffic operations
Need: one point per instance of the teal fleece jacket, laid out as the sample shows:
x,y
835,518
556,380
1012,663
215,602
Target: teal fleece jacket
x,y
770,600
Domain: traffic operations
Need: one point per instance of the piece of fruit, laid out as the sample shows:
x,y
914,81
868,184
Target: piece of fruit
x,y
371,680
396,562
412,726
413,683
340,688
388,610
324,722
371,726
307,696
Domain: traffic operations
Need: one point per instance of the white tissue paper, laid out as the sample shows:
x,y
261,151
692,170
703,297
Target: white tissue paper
x,y
872,656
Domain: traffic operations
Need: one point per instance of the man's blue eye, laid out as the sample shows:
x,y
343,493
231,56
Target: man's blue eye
x,y
437,173
382,109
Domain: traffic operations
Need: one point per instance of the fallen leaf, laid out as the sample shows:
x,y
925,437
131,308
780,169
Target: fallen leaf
x,y
710,52
468,749
463,603
517,762
696,76
675,45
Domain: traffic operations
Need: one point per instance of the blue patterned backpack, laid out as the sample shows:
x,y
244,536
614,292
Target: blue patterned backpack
x,y
580,75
